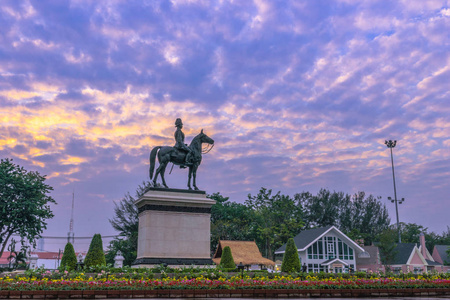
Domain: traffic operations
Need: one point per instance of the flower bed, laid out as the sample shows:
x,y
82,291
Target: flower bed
x,y
221,283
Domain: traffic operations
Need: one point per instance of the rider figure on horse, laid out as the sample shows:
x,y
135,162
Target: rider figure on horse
x,y
180,145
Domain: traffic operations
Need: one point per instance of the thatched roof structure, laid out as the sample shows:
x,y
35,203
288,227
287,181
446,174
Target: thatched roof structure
x,y
246,252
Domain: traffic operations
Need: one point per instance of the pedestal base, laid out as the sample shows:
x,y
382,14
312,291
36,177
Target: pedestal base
x,y
174,228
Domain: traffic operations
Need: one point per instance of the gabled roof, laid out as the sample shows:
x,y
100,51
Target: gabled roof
x,y
333,260
246,252
307,237
433,263
372,259
442,250
405,252
428,255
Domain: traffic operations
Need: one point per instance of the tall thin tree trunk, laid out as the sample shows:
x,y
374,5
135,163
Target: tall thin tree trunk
x,y
5,242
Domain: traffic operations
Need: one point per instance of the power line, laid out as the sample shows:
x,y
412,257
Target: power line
x,y
77,237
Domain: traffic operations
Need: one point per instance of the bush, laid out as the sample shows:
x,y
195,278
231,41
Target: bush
x,y
227,261
95,255
291,261
69,259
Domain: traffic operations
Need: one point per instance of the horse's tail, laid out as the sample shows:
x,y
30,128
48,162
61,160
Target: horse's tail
x,y
153,160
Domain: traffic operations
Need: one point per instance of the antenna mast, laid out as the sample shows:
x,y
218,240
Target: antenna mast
x,y
71,234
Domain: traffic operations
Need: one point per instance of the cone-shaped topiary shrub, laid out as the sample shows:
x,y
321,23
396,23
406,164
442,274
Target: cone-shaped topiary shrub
x,y
95,255
291,261
227,260
69,259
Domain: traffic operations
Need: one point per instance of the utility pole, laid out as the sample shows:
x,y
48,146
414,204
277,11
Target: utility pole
x,y
391,144
71,234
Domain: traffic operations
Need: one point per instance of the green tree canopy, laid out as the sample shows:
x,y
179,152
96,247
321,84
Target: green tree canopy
x,y
447,263
359,214
291,261
229,221
276,218
24,204
387,247
95,255
69,259
226,260
432,239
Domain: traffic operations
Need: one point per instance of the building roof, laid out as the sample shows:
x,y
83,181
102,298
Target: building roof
x,y
48,255
333,260
372,259
4,258
246,252
305,238
442,250
433,263
403,254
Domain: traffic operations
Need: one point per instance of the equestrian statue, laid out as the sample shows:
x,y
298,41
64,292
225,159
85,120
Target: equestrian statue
x,y
181,155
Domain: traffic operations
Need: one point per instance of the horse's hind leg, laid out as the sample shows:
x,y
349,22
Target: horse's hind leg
x,y
163,170
158,170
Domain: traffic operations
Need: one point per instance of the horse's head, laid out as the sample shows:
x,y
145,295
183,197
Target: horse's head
x,y
205,139
197,142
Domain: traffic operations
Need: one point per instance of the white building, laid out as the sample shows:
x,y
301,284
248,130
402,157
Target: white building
x,y
325,249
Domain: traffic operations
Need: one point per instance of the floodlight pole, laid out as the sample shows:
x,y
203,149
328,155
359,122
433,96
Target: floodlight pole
x,y
391,144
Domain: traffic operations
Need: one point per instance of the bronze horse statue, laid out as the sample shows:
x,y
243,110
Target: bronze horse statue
x,y
167,154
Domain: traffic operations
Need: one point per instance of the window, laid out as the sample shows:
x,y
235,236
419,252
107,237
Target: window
x,y
316,268
345,252
316,250
330,247
320,248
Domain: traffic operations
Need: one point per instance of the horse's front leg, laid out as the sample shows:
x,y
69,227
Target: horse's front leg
x,y
195,177
189,178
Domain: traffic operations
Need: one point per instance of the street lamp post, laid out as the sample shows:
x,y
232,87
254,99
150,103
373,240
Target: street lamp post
x,y
391,144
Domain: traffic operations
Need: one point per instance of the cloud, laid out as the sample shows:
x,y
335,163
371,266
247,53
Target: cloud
x,y
297,95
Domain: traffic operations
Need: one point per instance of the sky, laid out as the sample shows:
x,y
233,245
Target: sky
x,y
298,96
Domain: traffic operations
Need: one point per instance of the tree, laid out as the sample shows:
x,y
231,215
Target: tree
x,y
126,222
448,254
276,218
126,247
387,247
18,258
69,259
322,210
291,261
95,255
229,221
432,239
226,259
366,216
410,232
369,215
24,204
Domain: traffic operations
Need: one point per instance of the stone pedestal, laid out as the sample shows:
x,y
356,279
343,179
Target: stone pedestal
x,y
174,228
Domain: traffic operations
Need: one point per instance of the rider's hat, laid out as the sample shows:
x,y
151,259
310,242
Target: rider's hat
x,y
178,122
